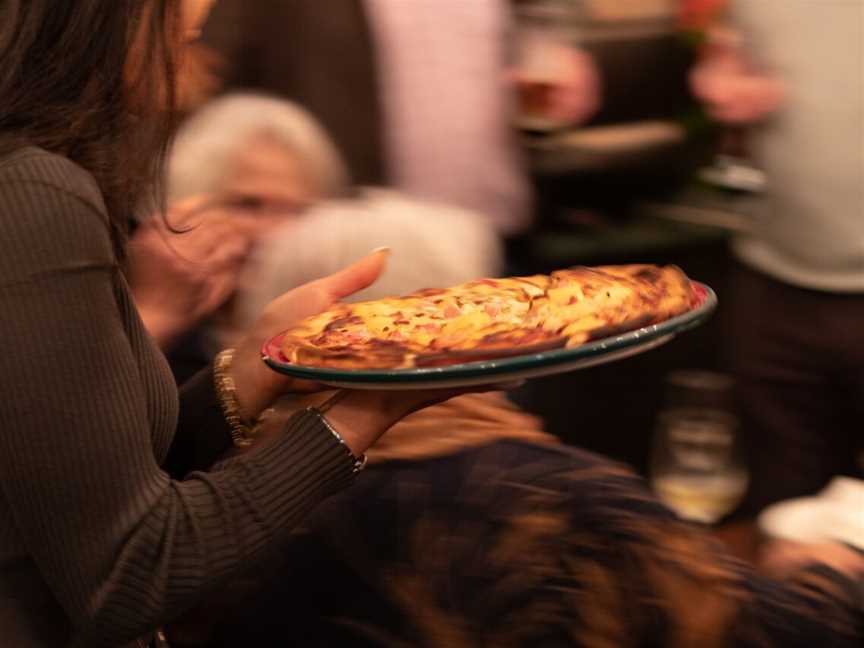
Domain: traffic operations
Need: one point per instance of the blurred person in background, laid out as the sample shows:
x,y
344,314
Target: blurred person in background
x,y
183,267
271,169
100,545
497,534
418,95
239,166
793,70
259,147
201,268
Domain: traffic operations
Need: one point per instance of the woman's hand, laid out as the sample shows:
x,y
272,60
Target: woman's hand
x,y
257,385
178,279
360,416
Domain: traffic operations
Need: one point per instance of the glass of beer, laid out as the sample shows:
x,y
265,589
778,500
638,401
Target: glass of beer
x,y
545,31
698,469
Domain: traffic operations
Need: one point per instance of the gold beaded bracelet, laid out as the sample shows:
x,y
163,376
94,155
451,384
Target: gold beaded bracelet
x,y
241,433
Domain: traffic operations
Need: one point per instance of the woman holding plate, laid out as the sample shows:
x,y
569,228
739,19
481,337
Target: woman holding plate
x,y
99,546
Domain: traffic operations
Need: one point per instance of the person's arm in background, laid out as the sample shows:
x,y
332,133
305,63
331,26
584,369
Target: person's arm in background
x,y
578,92
578,95
181,269
734,90
185,266
180,278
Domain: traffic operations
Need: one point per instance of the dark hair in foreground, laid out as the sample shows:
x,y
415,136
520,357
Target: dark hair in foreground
x,y
72,82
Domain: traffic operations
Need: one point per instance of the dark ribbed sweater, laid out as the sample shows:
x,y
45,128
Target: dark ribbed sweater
x,y
98,544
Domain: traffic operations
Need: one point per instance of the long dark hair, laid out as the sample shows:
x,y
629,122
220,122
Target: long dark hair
x,y
93,80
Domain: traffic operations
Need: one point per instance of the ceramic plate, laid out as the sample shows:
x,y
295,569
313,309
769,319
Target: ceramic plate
x,y
503,369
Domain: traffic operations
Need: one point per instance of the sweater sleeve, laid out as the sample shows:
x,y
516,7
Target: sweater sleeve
x,y
203,434
123,547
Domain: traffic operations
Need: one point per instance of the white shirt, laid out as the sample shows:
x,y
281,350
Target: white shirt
x,y
812,233
447,107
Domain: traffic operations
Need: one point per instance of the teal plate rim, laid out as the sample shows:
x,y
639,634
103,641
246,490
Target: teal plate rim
x,y
271,354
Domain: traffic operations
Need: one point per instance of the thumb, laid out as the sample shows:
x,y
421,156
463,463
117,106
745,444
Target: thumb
x,y
317,296
356,277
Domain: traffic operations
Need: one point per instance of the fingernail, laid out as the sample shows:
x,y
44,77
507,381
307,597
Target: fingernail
x,y
384,249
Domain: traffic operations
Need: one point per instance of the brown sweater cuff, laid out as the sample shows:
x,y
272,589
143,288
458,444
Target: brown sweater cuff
x,y
203,435
307,456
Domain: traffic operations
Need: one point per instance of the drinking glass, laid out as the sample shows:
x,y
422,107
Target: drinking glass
x,y
733,168
697,466
545,30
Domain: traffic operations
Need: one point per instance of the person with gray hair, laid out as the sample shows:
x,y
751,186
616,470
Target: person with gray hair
x,y
274,186
238,133
238,167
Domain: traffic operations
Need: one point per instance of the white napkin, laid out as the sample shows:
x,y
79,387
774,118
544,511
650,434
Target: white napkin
x,y
836,513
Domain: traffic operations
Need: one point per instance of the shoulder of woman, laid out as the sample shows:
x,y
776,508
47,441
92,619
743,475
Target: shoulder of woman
x,y
34,165
52,216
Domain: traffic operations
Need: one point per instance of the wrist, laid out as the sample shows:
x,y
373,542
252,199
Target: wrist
x,y
255,390
357,457
257,386
360,418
